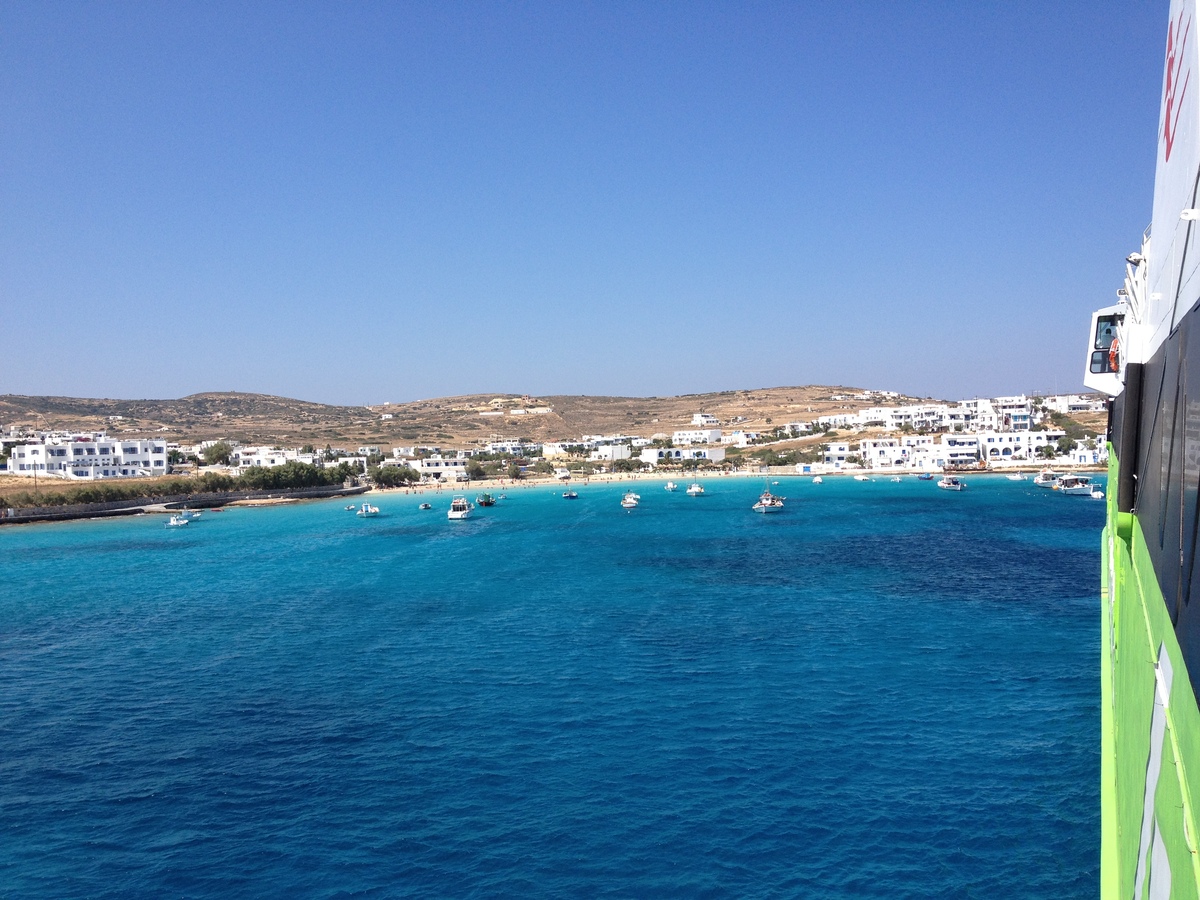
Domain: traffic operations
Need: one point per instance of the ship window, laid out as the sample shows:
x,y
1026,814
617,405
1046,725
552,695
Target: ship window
x,y
1106,330
1099,364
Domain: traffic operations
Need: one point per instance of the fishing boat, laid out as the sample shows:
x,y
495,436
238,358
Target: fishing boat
x,y
367,510
768,502
695,489
460,509
1074,485
630,500
176,521
1015,476
670,486
485,499
570,495
925,476
952,483
425,506
1045,479
1142,353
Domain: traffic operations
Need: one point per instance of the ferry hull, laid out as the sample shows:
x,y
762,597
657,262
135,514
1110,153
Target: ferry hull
x,y
1150,725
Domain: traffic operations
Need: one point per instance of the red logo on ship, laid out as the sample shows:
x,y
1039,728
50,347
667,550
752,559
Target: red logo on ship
x,y
1177,37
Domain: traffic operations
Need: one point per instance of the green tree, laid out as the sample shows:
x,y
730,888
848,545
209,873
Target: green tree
x,y
217,454
475,470
513,471
1065,444
1047,451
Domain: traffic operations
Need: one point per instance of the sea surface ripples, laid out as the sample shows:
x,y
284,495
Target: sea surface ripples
x,y
884,691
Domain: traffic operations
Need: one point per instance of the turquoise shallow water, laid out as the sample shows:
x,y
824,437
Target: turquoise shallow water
x,y
886,690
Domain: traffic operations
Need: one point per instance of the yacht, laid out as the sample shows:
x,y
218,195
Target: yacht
x,y
1074,484
630,500
367,510
695,489
670,486
460,508
952,483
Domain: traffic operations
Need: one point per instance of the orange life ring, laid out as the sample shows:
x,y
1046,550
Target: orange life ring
x,y
1114,355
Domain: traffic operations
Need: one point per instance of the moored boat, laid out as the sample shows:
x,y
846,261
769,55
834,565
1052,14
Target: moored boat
x,y
485,499
570,495
951,483
460,508
176,521
861,477
670,486
695,489
425,506
1045,479
367,510
1015,476
818,480
1074,485
630,500
925,476
768,502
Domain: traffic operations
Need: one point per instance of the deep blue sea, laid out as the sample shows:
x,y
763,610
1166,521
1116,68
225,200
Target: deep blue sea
x,y
887,690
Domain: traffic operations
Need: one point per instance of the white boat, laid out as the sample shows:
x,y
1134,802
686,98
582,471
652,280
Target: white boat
x,y
570,495
176,521
695,489
818,480
630,500
190,514
426,506
460,508
862,477
1074,484
670,486
768,503
367,510
896,479
952,483
1097,494
1045,479
1015,476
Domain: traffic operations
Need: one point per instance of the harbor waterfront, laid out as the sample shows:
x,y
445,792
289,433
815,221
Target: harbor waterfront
x,y
884,689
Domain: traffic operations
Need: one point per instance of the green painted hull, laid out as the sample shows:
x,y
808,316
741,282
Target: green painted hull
x,y
1150,763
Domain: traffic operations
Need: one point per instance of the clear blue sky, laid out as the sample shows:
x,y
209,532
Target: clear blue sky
x,y
357,202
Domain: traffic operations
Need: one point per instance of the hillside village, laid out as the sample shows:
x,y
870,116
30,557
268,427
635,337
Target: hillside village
x,y
863,433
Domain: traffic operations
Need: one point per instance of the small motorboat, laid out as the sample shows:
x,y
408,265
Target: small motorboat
x,y
896,479
952,483
190,514
695,489
367,510
630,500
670,486
176,521
485,499
862,477
351,506
1074,485
1097,494
425,506
570,495
1015,476
818,480
460,509
925,476
1045,479
502,497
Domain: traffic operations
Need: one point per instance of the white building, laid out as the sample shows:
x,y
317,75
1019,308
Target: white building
x,y
439,468
688,437
704,420
610,453
835,454
657,456
89,458
1069,403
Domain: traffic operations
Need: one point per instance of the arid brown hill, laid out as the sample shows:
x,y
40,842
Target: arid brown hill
x,y
446,421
